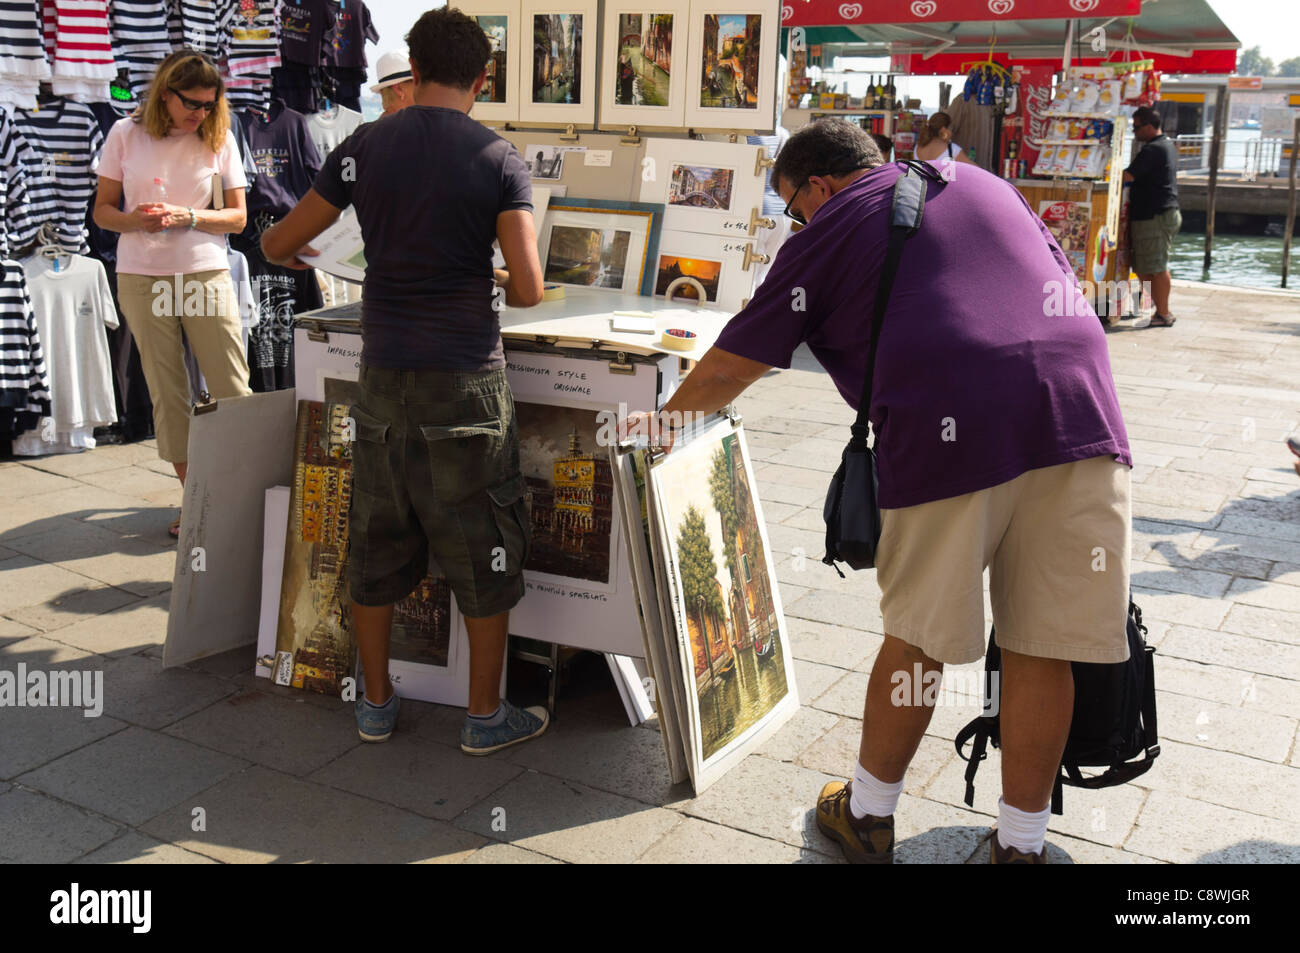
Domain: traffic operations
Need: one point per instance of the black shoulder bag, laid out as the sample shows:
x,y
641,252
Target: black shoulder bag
x,y
852,512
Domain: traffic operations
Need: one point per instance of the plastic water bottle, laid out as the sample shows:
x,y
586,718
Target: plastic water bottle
x,y
156,241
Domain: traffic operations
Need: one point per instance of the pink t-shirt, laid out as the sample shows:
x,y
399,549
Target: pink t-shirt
x,y
186,165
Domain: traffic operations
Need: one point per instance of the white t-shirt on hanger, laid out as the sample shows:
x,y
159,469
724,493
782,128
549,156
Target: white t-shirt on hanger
x,y
328,129
73,307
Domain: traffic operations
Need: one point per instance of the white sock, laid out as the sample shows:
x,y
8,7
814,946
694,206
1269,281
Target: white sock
x,y
872,796
1023,831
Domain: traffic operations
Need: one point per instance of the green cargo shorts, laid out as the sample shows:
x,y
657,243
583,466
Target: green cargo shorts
x,y
435,470
1152,240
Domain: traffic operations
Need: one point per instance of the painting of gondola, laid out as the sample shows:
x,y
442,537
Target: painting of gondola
x,y
594,257
701,186
731,45
724,595
557,58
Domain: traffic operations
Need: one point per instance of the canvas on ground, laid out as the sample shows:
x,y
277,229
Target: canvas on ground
x,y
736,659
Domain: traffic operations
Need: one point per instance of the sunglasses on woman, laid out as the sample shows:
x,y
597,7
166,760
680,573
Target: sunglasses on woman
x,y
193,105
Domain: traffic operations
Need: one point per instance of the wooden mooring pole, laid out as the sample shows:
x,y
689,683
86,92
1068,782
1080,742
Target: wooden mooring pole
x,y
1290,208
1216,157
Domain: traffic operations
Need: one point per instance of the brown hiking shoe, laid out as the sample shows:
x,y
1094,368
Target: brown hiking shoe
x,y
1009,855
866,841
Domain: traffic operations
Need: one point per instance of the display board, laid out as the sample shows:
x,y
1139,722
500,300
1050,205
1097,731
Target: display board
x,y
238,448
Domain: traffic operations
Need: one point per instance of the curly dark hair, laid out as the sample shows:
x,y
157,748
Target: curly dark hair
x,y
448,47
826,147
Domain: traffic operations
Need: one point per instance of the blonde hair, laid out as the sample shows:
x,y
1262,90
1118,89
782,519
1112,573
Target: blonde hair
x,y
930,131
186,69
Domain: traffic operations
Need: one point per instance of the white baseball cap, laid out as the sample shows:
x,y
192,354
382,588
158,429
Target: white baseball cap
x,y
392,68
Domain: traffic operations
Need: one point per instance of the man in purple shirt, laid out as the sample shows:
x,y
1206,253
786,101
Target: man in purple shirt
x,y
1000,444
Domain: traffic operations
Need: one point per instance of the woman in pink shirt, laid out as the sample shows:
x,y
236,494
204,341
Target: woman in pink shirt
x,y
172,267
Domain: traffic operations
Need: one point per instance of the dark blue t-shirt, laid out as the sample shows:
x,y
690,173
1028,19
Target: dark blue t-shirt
x,y
428,184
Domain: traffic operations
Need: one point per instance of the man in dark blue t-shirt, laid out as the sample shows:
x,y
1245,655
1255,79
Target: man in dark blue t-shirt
x,y
1153,209
435,463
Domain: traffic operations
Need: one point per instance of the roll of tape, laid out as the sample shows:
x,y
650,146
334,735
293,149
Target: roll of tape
x,y
678,339
552,292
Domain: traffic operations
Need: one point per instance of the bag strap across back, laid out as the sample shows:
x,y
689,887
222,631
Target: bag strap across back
x,y
905,220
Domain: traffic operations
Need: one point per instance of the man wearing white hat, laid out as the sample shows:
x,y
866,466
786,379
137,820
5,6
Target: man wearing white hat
x,y
395,87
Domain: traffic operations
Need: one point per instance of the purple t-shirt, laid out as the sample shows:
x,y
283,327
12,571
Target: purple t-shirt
x,y
979,377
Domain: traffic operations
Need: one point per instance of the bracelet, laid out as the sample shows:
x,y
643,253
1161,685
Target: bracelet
x,y
193,220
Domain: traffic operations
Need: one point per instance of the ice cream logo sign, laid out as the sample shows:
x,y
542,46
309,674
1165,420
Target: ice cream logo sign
x,y
924,8
787,12
1001,7
1084,6
850,11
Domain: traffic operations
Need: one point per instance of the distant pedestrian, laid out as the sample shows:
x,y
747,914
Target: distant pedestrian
x,y
1154,218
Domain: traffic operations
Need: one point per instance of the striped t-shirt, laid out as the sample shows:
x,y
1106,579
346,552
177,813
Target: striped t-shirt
x,y
16,158
24,380
65,138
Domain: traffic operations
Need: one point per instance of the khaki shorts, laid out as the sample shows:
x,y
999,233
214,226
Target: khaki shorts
x,y
1056,543
1152,240
435,469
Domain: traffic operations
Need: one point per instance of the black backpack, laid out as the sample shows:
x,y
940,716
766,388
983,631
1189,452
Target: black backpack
x,y
1114,718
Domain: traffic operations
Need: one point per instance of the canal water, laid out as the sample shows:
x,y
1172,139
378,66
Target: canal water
x,y
1251,261
733,702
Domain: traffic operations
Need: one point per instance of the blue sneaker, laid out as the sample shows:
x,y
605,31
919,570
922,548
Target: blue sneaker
x,y
520,724
376,724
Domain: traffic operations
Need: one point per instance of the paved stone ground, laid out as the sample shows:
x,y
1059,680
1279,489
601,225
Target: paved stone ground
x,y
281,775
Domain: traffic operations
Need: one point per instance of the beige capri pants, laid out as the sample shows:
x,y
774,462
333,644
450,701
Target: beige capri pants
x,y
156,308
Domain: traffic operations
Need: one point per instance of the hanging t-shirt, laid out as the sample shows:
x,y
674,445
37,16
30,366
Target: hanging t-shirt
x,y
16,159
73,306
78,41
24,381
328,129
301,24
65,138
205,24
347,26
286,161
186,165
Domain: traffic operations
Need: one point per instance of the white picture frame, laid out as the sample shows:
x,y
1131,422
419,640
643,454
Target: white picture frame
x,y
732,284
660,45
746,643
501,96
565,48
733,18
703,186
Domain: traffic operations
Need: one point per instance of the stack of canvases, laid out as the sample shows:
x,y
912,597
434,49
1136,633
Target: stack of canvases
x,y
711,615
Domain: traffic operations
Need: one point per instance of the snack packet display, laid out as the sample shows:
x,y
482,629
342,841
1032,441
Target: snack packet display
x,y
1084,99
1108,99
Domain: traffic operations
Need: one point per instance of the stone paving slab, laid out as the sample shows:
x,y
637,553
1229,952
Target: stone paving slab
x,y
41,830
260,816
139,774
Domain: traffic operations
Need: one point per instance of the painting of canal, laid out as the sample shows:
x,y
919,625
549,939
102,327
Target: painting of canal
x,y
724,588
595,257
645,47
557,58
494,88
422,624
731,48
569,492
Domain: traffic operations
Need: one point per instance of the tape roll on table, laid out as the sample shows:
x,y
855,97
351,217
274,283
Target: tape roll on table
x,y
677,339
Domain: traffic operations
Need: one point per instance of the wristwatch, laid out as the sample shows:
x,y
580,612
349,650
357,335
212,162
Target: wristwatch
x,y
193,219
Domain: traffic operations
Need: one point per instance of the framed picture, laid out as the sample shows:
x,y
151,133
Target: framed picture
x,y
643,64
731,65
557,81
498,102
596,243
703,186
723,604
715,261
